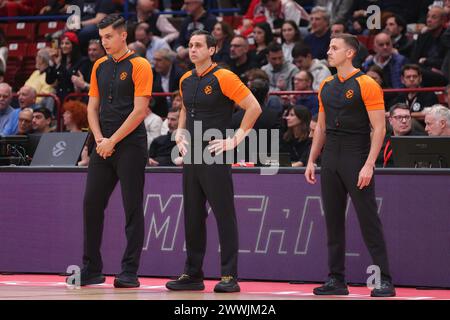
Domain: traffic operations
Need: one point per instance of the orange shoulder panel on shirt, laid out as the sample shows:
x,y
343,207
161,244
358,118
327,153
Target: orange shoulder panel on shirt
x,y
371,93
142,77
93,90
231,85
327,79
184,76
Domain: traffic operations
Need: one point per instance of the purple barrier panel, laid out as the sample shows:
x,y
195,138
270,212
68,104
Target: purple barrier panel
x,y
281,226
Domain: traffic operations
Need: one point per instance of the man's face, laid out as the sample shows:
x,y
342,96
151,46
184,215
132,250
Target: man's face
x,y
392,27
435,19
411,78
383,45
39,122
198,50
276,59
172,120
26,97
191,6
303,63
337,29
5,97
318,23
112,39
95,51
25,120
401,122
146,5
338,52
238,48
433,125
302,81
272,5
162,65
140,34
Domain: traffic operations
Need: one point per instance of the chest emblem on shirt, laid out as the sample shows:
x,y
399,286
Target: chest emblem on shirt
x,y
349,94
208,90
123,76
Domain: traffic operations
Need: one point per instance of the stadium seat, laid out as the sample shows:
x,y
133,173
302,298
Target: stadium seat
x,y
49,27
34,47
21,31
17,50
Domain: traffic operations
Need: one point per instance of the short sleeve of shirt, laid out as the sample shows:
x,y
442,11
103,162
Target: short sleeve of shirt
x,y
93,90
231,86
184,76
371,93
142,77
321,109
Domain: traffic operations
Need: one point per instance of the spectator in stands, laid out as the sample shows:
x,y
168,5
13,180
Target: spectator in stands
x,y
92,13
25,121
302,57
75,116
3,51
303,82
320,36
138,48
396,27
159,24
160,151
416,101
263,36
153,125
54,8
27,99
223,33
2,76
37,78
14,8
290,35
280,72
198,19
240,59
339,27
428,51
65,62
447,93
166,78
95,52
144,34
273,102
177,102
390,62
437,120
401,124
42,118
376,73
312,125
270,119
338,9
5,105
277,11
296,139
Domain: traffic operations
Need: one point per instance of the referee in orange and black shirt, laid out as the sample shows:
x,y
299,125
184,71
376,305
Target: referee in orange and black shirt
x,y
350,103
209,94
121,86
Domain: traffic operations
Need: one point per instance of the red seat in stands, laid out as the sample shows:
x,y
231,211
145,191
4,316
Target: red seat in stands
x,y
49,27
17,50
21,30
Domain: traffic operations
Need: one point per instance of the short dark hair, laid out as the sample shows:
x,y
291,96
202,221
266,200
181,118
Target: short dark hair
x,y
399,105
411,67
350,40
300,50
274,47
47,114
260,89
210,40
172,110
115,20
400,21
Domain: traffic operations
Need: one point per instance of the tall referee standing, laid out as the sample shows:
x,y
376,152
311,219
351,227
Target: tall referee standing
x,y
121,86
350,103
209,94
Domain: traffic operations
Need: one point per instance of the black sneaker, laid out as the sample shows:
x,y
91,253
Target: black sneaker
x,y
333,287
126,280
386,290
87,278
227,284
186,282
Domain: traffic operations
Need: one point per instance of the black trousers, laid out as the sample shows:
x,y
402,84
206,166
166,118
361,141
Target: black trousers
x,y
342,159
212,183
127,165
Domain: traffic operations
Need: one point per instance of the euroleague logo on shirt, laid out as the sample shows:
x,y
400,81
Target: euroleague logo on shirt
x,y
349,94
123,76
207,90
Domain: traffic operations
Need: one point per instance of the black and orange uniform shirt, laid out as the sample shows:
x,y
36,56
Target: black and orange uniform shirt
x,y
117,83
210,97
346,103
